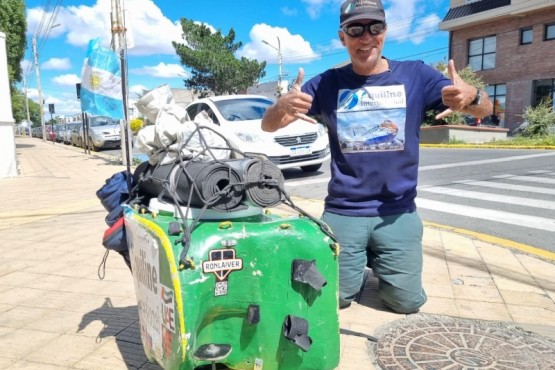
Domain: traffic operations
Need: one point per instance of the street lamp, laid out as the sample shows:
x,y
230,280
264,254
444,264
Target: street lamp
x,y
280,60
41,102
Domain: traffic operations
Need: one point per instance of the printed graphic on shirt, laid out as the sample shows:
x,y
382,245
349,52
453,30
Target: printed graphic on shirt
x,y
372,119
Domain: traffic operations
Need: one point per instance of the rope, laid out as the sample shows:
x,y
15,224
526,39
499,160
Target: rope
x,y
182,162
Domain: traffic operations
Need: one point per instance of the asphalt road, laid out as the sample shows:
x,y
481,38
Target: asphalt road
x,y
505,193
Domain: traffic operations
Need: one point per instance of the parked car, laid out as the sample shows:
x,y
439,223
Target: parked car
x,y
50,133
58,130
74,138
66,133
103,132
300,144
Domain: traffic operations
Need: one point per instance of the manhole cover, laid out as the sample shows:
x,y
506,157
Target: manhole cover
x,y
433,343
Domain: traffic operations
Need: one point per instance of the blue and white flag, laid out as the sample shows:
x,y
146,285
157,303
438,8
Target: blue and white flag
x,y
101,92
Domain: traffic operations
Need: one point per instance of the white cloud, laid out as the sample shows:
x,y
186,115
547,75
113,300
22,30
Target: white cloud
x,y
162,70
294,48
66,80
151,32
57,64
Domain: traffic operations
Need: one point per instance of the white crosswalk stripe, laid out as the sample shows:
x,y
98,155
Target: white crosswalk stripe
x,y
488,199
528,202
533,222
541,180
504,186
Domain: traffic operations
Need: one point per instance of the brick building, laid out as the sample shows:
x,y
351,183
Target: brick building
x,y
511,45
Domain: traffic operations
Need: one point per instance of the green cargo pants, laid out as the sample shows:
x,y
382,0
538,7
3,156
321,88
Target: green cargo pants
x,y
393,247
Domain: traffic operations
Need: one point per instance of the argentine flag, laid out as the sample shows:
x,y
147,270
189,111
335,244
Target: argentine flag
x,y
101,93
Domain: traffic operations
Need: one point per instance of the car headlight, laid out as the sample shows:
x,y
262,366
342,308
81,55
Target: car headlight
x,y
321,130
249,137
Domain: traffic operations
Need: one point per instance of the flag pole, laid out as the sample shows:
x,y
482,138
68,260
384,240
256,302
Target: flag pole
x,y
119,45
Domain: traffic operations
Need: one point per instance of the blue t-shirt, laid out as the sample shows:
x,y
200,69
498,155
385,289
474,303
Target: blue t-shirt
x,y
374,127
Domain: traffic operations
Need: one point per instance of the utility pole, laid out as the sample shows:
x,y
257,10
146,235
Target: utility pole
x,y
27,105
280,62
119,45
41,102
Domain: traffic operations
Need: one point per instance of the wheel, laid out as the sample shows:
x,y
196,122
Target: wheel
x,y
311,168
93,147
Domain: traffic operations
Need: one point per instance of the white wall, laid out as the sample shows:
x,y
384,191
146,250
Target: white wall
x,y
8,164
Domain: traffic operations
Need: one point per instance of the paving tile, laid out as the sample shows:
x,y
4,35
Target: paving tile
x,y
533,299
440,306
106,357
532,314
482,310
30,365
437,285
522,283
543,271
64,350
19,316
19,343
431,239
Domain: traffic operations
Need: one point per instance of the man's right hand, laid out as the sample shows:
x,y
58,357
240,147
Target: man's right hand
x,y
290,107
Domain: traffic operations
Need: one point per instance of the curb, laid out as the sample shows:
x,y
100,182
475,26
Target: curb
x,y
505,243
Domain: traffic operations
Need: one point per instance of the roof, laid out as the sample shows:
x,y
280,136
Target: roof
x,y
473,8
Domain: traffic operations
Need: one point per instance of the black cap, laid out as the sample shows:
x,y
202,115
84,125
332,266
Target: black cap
x,y
354,10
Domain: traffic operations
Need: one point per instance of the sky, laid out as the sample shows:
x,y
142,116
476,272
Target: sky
x,y
306,30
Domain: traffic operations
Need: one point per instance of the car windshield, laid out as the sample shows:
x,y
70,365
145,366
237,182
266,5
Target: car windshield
x,y
243,109
100,121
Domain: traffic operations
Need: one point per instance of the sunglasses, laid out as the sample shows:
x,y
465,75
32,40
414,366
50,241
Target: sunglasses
x,y
357,29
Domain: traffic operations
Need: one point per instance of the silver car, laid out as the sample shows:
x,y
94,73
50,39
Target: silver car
x,y
65,135
103,132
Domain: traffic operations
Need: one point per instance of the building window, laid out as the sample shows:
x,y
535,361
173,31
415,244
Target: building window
x,y
549,31
544,90
481,53
526,36
497,94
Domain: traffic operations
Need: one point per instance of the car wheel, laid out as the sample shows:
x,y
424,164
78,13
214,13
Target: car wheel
x,y
311,168
92,146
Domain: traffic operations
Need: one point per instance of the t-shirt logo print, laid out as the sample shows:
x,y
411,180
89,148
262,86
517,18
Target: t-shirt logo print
x,y
371,119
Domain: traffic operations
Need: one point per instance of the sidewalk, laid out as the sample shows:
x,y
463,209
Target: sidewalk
x,y
55,312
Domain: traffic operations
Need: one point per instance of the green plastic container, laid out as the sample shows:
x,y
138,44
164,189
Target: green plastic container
x,y
261,292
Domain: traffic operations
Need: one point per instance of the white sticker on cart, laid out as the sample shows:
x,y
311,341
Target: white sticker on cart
x,y
222,262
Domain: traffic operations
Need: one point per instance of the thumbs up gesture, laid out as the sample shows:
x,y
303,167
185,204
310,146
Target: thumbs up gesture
x,y
296,103
457,96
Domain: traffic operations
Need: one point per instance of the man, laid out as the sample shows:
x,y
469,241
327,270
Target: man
x,y
373,109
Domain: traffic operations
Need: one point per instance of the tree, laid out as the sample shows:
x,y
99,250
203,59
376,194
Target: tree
x,y
14,25
468,76
20,110
215,69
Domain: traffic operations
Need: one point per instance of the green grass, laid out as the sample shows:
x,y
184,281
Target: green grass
x,y
518,142
526,141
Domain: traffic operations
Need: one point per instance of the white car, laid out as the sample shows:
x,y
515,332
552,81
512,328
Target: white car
x,y
300,144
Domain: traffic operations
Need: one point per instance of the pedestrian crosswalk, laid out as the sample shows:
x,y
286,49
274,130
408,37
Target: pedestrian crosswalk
x,y
518,200
517,206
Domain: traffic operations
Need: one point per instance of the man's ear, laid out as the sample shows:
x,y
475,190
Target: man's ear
x,y
341,37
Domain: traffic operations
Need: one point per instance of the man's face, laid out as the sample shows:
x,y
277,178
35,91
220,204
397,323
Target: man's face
x,y
365,50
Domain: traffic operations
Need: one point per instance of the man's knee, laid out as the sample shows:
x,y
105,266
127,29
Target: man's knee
x,y
404,302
